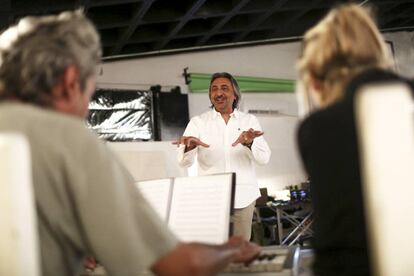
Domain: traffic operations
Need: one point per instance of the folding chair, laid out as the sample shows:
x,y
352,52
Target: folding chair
x,y
265,218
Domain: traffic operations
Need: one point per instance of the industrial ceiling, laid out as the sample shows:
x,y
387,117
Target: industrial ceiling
x,y
140,27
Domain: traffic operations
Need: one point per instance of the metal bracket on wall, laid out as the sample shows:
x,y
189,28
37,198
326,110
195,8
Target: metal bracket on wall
x,y
186,76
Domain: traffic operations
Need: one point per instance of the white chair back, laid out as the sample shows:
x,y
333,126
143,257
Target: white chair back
x,y
385,126
19,250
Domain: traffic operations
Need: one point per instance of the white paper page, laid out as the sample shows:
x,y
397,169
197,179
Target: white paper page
x,y
157,193
200,208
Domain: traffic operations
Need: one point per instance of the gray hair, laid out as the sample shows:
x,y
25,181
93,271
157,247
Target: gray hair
x,y
234,83
35,53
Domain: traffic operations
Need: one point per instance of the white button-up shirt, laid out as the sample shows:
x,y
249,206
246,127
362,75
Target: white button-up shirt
x,y
221,156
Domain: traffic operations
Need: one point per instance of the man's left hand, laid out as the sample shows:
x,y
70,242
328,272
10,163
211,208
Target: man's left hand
x,y
246,137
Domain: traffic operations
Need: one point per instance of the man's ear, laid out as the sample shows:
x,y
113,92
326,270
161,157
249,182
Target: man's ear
x,y
70,82
66,92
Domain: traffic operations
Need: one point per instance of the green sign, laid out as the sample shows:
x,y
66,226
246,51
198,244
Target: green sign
x,y
200,83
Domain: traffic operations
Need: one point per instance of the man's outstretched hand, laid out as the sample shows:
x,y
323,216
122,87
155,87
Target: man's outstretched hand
x,y
246,137
190,143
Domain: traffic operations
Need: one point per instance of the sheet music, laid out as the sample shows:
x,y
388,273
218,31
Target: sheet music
x,y
200,208
158,193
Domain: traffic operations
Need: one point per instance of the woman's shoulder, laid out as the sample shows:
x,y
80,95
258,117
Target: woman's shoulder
x,y
326,124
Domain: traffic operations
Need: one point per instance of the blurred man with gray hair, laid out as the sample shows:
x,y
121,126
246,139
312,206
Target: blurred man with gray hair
x,y
86,201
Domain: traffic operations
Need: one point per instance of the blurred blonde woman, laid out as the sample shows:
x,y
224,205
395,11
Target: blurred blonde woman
x,y
340,54
344,44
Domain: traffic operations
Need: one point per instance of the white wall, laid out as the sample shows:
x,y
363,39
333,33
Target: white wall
x,y
271,60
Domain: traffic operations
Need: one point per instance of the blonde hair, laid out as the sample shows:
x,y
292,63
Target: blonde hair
x,y
345,43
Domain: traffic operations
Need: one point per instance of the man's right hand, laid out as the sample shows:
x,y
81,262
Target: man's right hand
x,y
246,251
197,259
190,143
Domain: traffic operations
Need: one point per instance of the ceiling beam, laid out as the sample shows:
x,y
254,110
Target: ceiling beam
x,y
5,14
297,16
34,8
67,5
220,24
407,20
111,2
135,21
110,25
392,15
180,24
260,19
85,4
5,5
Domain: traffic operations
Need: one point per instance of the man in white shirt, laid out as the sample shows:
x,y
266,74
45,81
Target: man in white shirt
x,y
227,140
